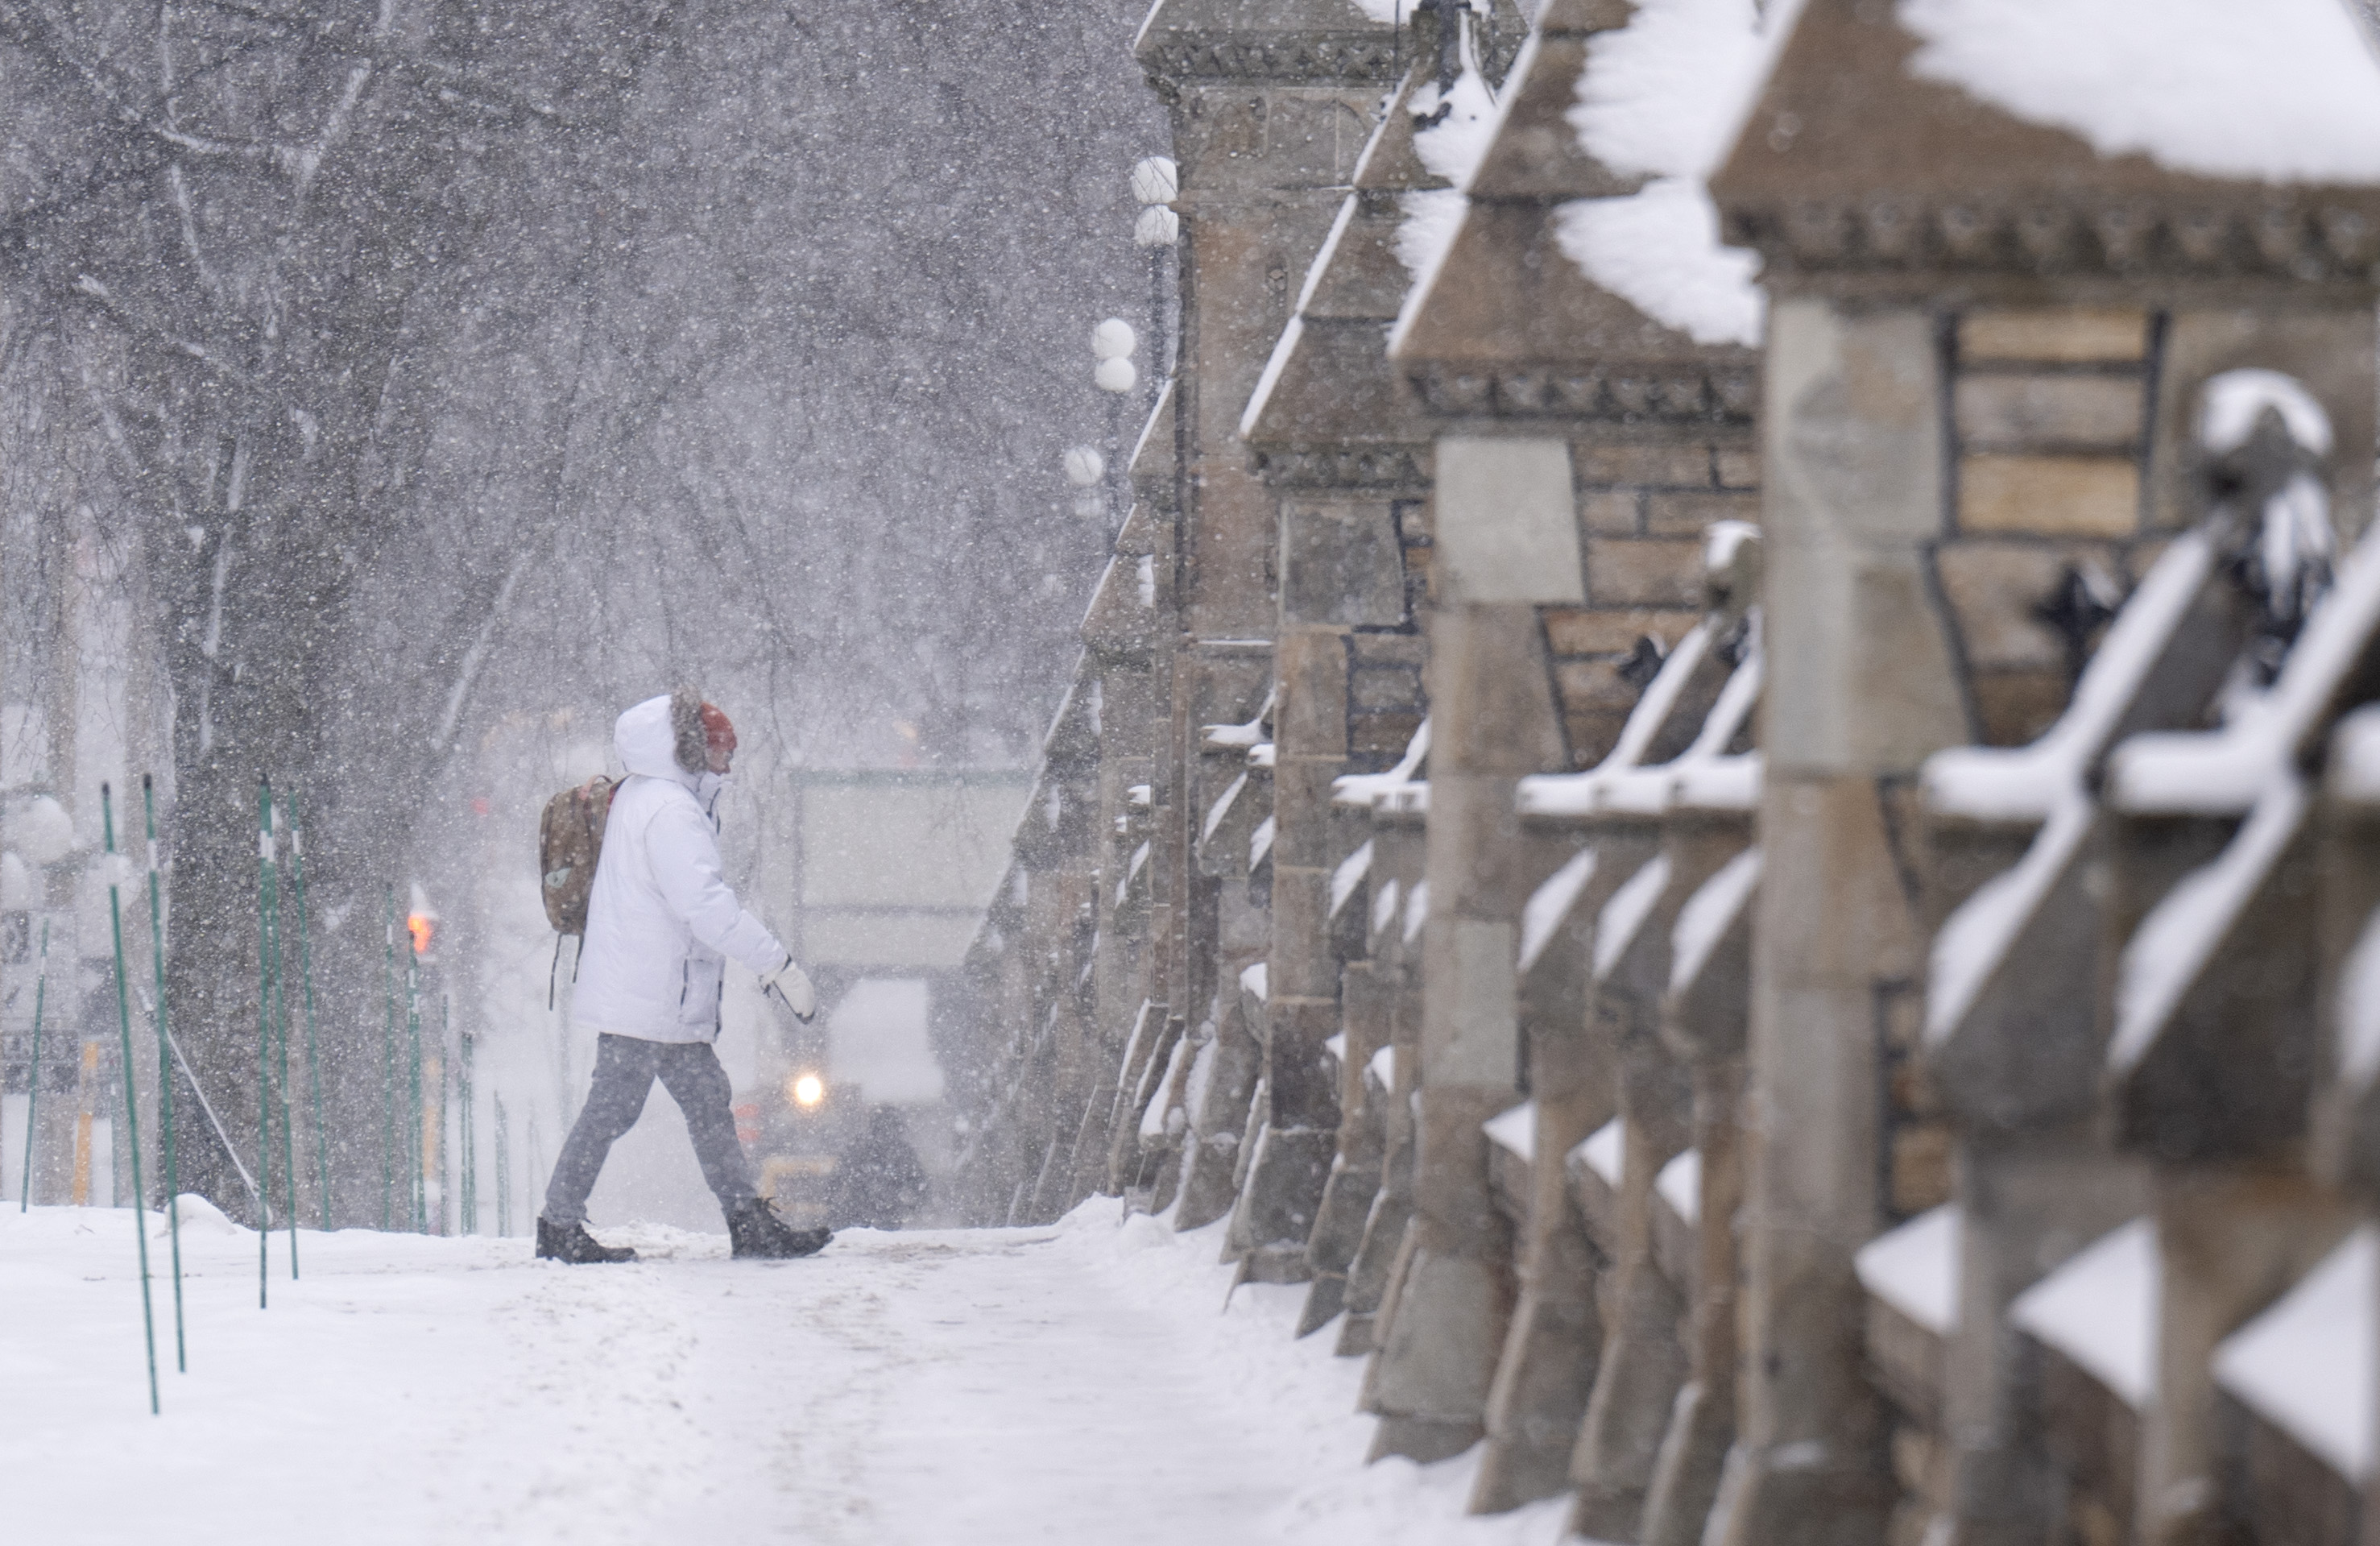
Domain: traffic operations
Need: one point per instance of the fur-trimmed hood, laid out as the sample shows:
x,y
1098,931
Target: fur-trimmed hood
x,y
661,737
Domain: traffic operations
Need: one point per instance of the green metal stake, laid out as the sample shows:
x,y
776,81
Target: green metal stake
x,y
413,1032
263,1035
131,1095
281,1037
33,1085
306,978
470,1204
504,1171
165,1073
388,1066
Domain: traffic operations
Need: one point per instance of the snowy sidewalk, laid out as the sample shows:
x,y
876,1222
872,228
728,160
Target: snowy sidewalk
x,y
1077,1384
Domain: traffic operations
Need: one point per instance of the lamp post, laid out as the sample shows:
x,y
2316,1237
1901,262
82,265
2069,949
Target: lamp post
x,y
1112,343
1155,184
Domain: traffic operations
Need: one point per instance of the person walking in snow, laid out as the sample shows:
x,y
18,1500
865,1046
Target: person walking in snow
x,y
661,924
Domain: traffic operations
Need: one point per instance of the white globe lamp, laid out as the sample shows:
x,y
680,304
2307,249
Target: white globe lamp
x,y
1155,180
1113,339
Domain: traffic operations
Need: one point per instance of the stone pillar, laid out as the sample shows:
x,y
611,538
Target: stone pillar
x,y
1861,689
1397,859
1506,541
1269,113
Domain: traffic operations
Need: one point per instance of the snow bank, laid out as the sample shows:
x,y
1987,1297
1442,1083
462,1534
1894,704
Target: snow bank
x,y
997,1386
1915,1268
2100,1310
2282,91
1514,1130
2305,1365
1660,98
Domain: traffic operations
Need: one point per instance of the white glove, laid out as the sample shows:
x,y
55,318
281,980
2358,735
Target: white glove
x,y
791,985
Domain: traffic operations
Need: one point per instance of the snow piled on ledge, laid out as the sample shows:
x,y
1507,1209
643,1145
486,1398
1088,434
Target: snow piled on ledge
x,y
1660,98
2281,91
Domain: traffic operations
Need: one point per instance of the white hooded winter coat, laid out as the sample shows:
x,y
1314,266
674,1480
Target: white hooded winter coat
x,y
661,921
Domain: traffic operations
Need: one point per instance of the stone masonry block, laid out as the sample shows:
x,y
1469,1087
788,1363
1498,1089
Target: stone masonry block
x,y
2018,411
2071,336
1507,526
1645,571
1373,688
2077,496
1861,676
1475,1007
1687,467
1383,735
1738,469
1388,649
1830,837
1993,589
1612,631
1310,712
1341,563
1491,694
2015,707
1852,436
1592,685
1593,734
1677,511
1611,511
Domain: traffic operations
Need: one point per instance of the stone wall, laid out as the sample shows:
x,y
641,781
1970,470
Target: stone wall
x,y
1762,886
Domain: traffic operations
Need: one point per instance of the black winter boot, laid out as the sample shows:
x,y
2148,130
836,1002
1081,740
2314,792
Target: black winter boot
x,y
755,1230
557,1243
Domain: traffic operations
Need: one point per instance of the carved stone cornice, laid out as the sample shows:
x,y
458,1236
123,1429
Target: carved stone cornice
x,y
1177,59
1375,467
1854,165
2280,236
1682,394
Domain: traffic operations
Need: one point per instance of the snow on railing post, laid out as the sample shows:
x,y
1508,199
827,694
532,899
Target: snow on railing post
x,y
131,1091
165,1075
33,1087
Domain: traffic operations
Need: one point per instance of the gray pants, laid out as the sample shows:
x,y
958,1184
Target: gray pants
x,y
625,1070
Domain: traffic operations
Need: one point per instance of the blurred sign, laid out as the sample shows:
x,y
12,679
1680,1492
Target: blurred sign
x,y
894,870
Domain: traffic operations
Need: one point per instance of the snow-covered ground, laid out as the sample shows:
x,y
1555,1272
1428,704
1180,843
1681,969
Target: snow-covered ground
x,y
1081,1382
